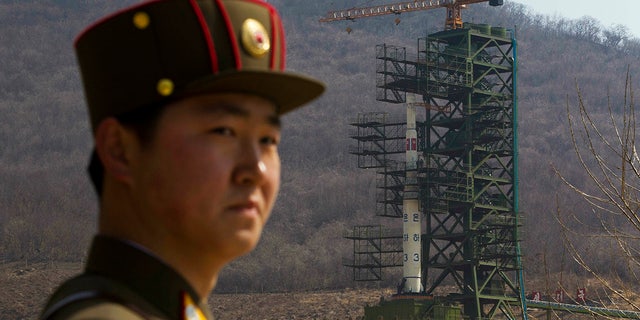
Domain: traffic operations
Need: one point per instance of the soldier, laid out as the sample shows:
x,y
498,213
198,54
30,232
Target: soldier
x,y
185,99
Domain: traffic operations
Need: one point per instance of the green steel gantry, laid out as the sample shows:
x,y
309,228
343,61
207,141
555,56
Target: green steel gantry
x,y
467,172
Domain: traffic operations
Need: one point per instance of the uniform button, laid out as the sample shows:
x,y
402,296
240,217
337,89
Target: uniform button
x,y
165,87
141,20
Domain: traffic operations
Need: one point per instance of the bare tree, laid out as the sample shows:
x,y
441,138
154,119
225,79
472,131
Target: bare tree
x,y
615,36
605,242
587,28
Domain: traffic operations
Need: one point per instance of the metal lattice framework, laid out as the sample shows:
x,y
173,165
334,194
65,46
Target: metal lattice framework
x,y
467,173
374,248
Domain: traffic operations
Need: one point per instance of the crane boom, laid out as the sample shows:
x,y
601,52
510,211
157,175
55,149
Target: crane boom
x,y
397,8
454,7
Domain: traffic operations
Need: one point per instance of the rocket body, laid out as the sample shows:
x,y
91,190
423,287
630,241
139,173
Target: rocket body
x,y
412,218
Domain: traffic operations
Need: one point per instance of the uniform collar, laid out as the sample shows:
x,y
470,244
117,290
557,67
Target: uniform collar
x,y
144,273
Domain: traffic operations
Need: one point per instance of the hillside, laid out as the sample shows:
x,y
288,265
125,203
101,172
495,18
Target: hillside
x,y
49,210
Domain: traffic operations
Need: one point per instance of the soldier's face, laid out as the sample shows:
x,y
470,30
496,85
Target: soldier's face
x,y
210,176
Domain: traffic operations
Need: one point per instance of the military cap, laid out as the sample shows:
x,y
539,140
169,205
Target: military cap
x,y
162,50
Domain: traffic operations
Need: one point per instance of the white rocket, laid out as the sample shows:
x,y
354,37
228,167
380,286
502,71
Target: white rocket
x,y
412,218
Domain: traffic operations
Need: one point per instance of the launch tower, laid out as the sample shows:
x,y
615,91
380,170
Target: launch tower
x,y
465,174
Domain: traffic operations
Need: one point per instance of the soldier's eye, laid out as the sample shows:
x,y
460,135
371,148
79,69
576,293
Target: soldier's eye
x,y
224,131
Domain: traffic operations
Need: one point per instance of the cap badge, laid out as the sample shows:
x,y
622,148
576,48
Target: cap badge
x,y
255,38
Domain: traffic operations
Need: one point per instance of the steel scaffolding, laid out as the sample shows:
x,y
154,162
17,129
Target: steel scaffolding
x,y
467,172
374,248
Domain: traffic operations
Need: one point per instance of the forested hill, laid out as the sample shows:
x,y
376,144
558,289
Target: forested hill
x,y
48,207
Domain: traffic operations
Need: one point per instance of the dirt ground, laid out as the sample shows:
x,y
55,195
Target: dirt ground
x,y
25,288
347,305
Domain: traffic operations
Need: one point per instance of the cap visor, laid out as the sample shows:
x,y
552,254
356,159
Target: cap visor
x,y
287,90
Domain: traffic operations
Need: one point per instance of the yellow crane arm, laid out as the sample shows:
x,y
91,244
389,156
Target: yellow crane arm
x,y
396,8
454,7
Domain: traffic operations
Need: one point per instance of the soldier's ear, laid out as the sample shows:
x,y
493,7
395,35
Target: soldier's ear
x,y
116,146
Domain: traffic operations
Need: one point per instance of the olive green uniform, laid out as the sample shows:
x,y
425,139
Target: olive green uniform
x,y
124,281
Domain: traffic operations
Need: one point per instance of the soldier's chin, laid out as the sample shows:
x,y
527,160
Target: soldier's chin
x,y
244,242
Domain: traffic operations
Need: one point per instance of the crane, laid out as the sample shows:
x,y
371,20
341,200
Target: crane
x,y
454,8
